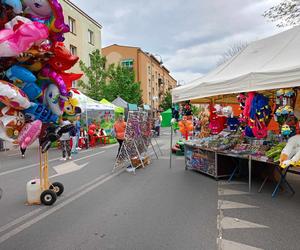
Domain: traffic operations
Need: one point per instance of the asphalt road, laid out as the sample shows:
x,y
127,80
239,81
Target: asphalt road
x,y
158,208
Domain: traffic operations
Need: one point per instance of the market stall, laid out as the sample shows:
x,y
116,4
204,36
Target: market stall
x,y
118,110
263,80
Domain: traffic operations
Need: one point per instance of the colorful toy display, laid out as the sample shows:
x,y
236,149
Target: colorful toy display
x,y
32,64
290,155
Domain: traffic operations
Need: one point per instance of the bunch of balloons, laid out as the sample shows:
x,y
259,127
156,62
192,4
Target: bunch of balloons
x,y
33,59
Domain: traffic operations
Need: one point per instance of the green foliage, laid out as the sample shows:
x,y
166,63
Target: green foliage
x,y
96,75
109,82
121,82
167,101
285,13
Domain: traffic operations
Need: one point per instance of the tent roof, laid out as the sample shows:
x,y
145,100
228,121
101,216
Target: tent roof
x,y
270,63
120,102
87,103
116,108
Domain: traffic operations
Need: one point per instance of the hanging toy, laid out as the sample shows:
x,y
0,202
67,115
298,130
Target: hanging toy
x,y
29,133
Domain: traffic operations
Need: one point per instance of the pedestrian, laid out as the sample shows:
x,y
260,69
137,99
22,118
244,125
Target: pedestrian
x,y
65,142
157,123
23,150
119,129
75,138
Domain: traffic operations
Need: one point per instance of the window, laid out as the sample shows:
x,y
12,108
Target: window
x,y
72,25
91,37
149,70
128,63
74,83
73,50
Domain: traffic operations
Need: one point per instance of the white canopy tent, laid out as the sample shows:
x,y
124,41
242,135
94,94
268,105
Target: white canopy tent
x,y
270,63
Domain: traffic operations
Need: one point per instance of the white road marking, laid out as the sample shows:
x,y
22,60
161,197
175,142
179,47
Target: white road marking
x,y
231,245
36,164
222,204
66,168
232,183
57,207
222,191
234,223
19,220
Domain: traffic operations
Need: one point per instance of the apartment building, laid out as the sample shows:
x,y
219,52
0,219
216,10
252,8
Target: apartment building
x,y
84,36
154,77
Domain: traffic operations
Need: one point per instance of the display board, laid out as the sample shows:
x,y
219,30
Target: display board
x,y
137,140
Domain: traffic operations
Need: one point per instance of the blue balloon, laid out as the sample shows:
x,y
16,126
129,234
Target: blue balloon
x,y
40,112
27,79
15,4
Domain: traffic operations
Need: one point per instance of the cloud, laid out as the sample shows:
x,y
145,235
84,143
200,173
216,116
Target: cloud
x,y
189,35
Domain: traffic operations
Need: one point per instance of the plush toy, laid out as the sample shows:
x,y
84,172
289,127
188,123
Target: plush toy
x,y
185,126
290,155
26,80
12,96
19,35
40,112
29,133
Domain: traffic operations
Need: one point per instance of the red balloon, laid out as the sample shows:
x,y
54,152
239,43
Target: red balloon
x,y
91,132
92,127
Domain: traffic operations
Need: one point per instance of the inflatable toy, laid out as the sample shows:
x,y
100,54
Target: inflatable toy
x,y
12,122
29,133
15,4
290,155
35,58
40,112
57,79
69,78
71,107
53,101
185,126
7,14
26,81
12,96
52,134
19,35
50,13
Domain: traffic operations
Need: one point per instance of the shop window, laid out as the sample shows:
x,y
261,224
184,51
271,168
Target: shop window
x,y
72,25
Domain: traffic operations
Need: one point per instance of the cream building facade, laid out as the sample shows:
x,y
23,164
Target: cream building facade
x,y
154,77
84,36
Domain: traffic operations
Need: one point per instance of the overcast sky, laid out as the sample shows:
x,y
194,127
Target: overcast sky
x,y
189,35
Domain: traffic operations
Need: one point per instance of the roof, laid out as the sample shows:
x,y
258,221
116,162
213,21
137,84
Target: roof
x,y
266,64
120,102
83,13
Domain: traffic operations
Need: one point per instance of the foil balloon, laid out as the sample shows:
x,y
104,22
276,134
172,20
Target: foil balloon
x,y
15,4
29,133
7,14
63,58
12,122
290,155
50,13
53,101
19,35
26,80
40,112
12,96
71,106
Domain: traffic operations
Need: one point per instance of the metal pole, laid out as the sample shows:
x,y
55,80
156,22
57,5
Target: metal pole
x,y
171,142
86,124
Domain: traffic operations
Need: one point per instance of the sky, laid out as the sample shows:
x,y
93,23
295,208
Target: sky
x,y
188,35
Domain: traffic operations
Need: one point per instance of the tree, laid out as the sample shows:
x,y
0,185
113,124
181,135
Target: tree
x,y
233,50
96,74
121,82
287,12
167,101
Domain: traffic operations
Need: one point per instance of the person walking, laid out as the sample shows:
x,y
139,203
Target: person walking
x,y
157,123
119,128
75,138
65,142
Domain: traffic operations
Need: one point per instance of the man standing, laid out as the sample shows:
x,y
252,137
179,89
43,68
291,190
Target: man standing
x,y
158,121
